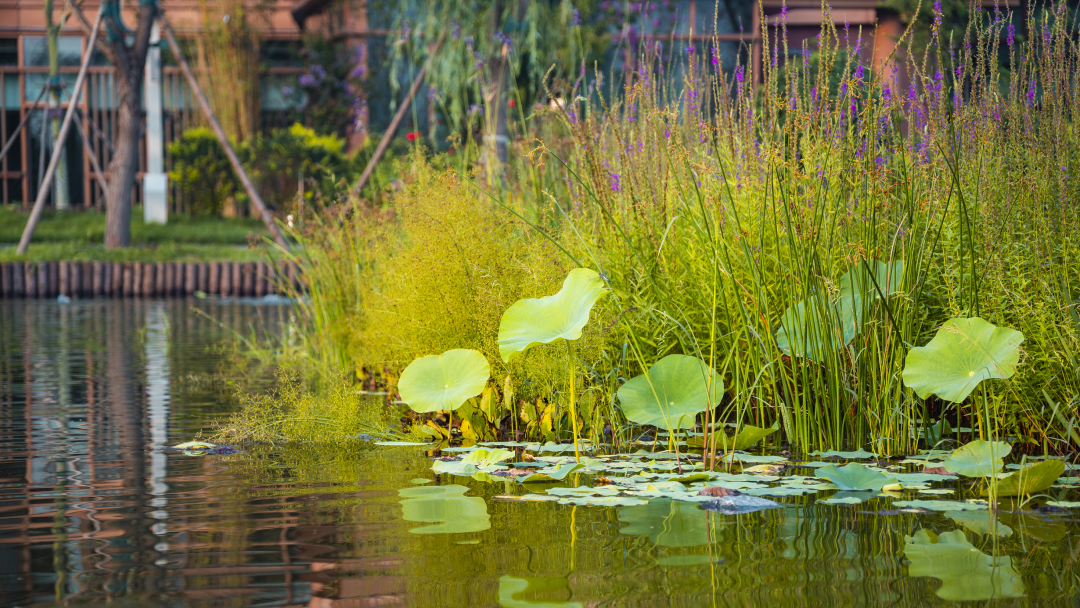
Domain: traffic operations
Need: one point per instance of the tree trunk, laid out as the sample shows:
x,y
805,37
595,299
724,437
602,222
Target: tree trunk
x,y
125,159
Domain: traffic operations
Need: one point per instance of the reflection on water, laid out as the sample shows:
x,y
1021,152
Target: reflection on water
x,y
92,510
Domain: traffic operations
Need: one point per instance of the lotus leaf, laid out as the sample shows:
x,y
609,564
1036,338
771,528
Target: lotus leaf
x,y
412,443
556,474
1063,504
846,455
966,573
1028,481
672,393
978,458
512,587
962,354
420,481
667,523
887,277
940,505
485,458
531,322
809,329
193,445
854,476
747,437
980,523
843,498
443,382
781,491
445,506
602,501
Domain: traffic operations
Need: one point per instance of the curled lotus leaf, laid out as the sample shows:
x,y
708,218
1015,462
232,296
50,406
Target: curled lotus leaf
x,y
978,458
443,382
534,321
963,353
672,393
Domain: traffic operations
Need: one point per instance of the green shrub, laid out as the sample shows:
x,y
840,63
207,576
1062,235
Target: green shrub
x,y
202,172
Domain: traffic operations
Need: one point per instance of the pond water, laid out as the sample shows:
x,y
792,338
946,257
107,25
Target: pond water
x,y
93,511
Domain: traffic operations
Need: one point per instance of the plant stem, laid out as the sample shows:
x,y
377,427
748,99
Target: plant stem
x,y
573,414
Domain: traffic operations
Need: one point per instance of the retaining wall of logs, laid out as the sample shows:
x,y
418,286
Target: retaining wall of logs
x,y
146,279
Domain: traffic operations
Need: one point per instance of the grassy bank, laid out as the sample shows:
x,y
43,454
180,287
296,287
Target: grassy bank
x,y
88,228
78,236
731,222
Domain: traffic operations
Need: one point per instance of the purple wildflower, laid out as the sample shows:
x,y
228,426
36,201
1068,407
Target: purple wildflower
x,y
616,184
1011,35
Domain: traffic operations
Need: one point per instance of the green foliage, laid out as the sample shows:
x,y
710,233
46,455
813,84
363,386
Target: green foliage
x,y
293,413
672,393
1028,480
443,382
978,458
276,162
202,171
855,476
962,354
535,321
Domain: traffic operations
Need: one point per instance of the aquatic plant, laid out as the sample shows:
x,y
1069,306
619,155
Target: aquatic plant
x,y
561,317
855,476
967,574
978,458
672,393
443,382
963,353
798,229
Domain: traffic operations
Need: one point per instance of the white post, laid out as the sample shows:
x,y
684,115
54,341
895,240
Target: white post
x,y
155,182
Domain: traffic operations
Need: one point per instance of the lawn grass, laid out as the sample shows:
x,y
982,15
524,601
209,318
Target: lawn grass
x,y
88,228
79,235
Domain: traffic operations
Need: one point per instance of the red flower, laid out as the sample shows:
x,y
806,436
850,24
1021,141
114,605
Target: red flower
x,y
510,103
412,135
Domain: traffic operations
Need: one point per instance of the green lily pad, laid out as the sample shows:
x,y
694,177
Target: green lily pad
x,y
557,474
940,505
1029,480
967,574
407,443
672,393
420,481
602,501
443,382
485,457
511,589
854,476
531,322
978,458
667,523
844,498
857,454
747,437
445,506
980,523
1064,504
962,354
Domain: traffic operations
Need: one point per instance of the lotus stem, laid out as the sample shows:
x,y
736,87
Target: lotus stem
x,y
573,413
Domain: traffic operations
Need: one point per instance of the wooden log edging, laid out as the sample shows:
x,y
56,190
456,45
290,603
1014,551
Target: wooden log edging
x,y
85,280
